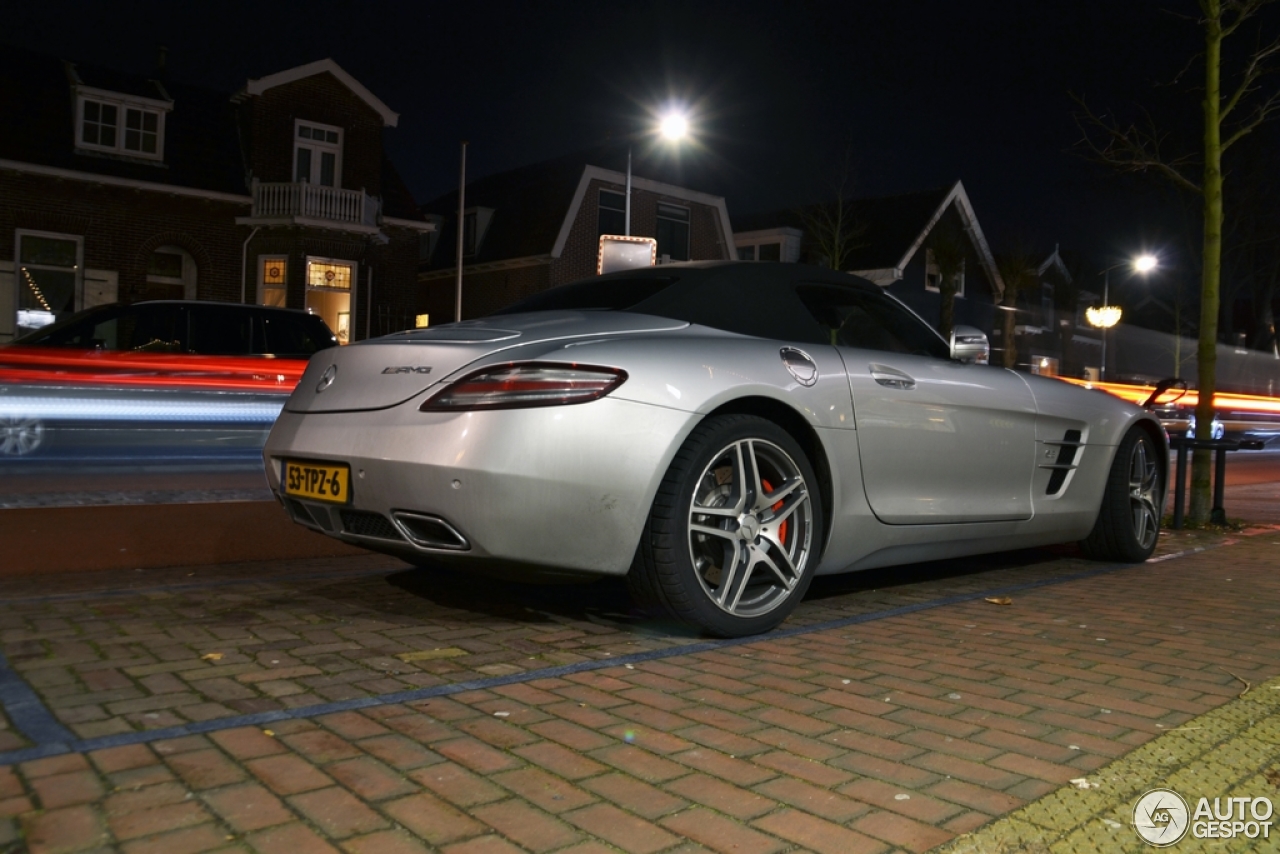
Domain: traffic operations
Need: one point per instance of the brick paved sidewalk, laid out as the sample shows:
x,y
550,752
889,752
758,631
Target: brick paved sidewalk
x,y
888,719
1231,752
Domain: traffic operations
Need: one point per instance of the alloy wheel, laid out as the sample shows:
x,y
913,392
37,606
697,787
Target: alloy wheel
x,y
750,527
1144,488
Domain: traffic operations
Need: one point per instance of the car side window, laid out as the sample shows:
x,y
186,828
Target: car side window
x,y
154,329
870,321
220,331
289,336
99,333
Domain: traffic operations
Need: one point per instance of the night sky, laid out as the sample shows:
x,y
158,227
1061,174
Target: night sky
x,y
913,94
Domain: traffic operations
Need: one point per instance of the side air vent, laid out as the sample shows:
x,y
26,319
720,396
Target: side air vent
x,y
1068,448
362,523
429,531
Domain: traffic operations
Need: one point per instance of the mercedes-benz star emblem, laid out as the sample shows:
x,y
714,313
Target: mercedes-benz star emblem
x,y
327,378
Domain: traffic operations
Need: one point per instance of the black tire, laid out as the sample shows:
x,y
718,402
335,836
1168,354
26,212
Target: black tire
x,y
709,514
1128,524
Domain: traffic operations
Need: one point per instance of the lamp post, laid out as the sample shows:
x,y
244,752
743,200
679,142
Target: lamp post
x,y
674,126
1106,315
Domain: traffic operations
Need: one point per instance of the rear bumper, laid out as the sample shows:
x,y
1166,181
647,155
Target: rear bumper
x,y
565,488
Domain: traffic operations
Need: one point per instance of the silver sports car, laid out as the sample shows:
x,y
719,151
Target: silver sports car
x,y
719,433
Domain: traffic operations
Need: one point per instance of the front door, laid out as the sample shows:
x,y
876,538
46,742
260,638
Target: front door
x,y
329,284
938,441
941,441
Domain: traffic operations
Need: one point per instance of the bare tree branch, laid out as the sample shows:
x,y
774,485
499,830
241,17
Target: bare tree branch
x,y
1132,148
1254,71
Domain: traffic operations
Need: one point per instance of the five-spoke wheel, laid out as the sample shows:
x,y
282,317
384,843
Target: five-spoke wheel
x,y
733,536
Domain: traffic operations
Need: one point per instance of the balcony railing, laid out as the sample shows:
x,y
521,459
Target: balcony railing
x,y
312,201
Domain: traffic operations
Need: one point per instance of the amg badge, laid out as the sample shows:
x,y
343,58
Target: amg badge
x,y
407,369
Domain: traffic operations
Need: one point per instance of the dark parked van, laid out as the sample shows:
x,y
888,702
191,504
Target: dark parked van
x,y
189,326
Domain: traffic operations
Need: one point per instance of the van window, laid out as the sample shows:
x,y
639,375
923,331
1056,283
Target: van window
x,y
218,330
288,335
153,329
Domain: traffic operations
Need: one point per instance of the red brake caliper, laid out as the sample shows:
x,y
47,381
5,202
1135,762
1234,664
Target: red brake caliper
x,y
782,529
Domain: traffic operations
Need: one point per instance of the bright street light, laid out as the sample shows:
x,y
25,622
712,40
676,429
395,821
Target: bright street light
x,y
1106,316
674,126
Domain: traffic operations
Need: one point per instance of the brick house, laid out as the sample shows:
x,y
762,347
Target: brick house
x,y
891,244
539,226
119,187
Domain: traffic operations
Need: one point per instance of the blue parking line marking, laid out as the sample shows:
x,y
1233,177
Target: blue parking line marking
x,y
27,712
53,739
331,575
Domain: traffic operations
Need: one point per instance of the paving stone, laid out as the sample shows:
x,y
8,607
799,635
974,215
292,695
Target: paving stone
x,y
777,744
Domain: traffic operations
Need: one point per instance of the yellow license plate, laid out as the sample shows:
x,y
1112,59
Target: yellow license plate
x,y
317,481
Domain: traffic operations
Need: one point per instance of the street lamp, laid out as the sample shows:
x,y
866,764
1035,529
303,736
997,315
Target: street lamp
x,y
1106,315
672,126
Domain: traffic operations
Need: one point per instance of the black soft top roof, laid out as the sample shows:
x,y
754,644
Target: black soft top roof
x,y
746,297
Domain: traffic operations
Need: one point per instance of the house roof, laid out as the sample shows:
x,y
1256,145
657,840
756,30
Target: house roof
x,y
37,96
534,205
891,224
323,66
894,229
202,142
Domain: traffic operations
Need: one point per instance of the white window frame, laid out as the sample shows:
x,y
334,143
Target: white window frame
x,y
931,269
263,287
687,222
122,103
189,270
317,149
600,206
18,234
352,291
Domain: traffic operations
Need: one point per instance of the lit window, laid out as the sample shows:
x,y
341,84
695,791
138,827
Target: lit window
x,y
325,275
48,278
273,276
120,127
329,293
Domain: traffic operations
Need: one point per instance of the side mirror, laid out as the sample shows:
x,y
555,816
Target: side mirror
x,y
970,346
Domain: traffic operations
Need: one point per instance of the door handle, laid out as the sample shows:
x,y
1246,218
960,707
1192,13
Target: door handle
x,y
892,377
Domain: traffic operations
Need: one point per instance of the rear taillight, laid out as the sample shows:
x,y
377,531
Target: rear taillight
x,y
520,385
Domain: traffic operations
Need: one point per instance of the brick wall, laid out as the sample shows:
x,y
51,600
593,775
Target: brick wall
x,y
121,227
319,98
578,261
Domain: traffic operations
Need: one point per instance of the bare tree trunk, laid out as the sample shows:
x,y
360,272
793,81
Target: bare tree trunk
x,y
1010,344
1207,352
947,312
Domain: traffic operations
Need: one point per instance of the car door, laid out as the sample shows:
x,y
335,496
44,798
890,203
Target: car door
x,y
938,441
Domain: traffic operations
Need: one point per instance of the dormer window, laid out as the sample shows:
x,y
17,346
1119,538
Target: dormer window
x,y
317,154
119,125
